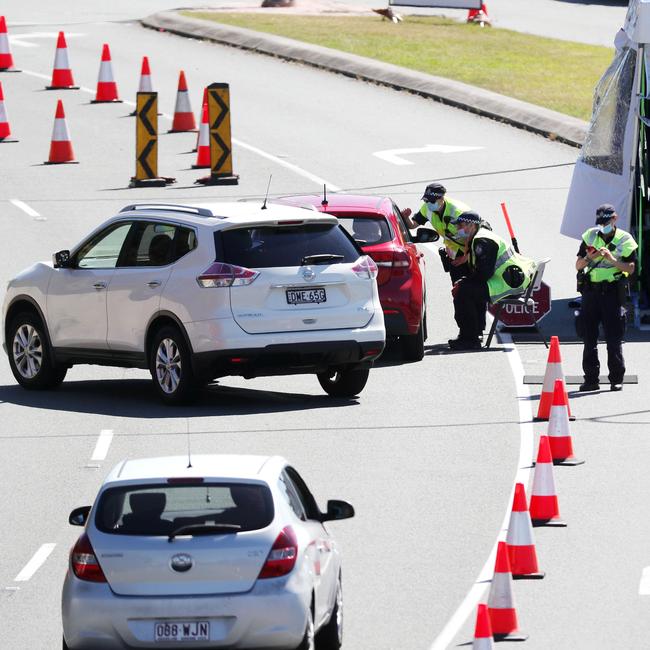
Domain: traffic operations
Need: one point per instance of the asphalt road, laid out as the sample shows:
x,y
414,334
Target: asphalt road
x,y
429,452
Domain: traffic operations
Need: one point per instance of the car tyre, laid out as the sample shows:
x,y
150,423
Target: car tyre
x,y
343,383
413,344
29,354
308,640
170,364
330,636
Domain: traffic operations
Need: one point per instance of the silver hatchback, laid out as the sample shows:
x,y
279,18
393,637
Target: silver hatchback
x,y
230,551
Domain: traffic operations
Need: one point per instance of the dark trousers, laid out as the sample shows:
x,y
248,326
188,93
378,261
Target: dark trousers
x,y
470,305
603,306
458,272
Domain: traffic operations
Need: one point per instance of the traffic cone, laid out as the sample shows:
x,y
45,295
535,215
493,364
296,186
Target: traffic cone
x,y
544,508
483,629
501,606
145,85
558,433
61,147
521,546
183,116
61,73
106,86
6,60
204,102
5,129
203,155
479,15
553,372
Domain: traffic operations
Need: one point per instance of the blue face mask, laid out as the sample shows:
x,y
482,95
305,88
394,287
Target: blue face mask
x,y
462,233
435,205
606,230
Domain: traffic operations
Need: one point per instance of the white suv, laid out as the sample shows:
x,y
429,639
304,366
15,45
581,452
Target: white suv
x,y
193,293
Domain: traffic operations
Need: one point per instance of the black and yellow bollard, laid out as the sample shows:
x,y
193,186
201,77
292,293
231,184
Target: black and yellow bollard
x,y
146,143
221,172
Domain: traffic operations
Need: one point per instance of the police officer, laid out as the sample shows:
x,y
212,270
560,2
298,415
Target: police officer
x,y
441,211
606,258
496,271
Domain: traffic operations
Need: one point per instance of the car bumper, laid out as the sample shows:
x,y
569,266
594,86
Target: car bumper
x,y
271,615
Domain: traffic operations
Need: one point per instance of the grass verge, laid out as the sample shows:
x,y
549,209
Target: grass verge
x,y
559,75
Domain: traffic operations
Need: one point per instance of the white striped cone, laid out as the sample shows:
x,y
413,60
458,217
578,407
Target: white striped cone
x,y
501,604
521,545
6,59
61,73
106,86
145,86
183,115
559,436
544,508
552,373
203,149
61,146
482,630
5,129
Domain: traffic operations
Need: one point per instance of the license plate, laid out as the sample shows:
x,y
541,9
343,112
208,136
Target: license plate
x,y
306,296
181,631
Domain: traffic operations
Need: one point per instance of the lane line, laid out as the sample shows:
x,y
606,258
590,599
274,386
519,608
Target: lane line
x,y
318,180
473,597
644,585
38,559
103,443
24,207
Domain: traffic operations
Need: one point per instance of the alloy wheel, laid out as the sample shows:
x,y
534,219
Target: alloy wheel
x,y
27,351
168,366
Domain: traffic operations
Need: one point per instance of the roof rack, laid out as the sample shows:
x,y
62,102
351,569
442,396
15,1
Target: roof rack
x,y
171,207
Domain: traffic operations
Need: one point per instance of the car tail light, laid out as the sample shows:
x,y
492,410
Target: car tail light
x,y
401,259
283,555
83,562
366,268
221,274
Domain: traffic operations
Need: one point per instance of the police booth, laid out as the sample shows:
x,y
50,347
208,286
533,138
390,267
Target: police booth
x,y
614,164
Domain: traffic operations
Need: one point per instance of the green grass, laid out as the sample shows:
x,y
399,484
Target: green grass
x,y
555,74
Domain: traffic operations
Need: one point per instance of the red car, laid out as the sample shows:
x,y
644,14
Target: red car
x,y
377,225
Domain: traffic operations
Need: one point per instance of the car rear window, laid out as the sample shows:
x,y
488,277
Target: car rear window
x,y
161,509
367,231
273,246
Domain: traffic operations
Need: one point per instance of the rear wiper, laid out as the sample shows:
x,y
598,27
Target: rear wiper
x,y
204,529
323,258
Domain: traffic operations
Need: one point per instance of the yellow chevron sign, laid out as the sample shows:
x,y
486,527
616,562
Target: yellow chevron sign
x,y
220,135
146,137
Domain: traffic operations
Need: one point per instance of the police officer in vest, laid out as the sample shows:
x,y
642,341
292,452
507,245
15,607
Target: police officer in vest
x,y
606,258
496,271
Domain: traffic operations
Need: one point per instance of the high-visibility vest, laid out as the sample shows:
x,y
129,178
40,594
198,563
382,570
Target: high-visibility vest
x,y
601,269
442,224
506,257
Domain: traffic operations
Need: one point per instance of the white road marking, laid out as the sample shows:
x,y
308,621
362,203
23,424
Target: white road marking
x,y
23,40
260,152
103,443
394,156
25,208
35,563
644,585
473,597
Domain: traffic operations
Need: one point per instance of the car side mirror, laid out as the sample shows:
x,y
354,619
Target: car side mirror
x,y
79,516
338,510
62,260
425,235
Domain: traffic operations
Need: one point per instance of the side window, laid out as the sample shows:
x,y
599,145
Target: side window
x,y
290,494
185,242
152,244
306,498
406,235
103,251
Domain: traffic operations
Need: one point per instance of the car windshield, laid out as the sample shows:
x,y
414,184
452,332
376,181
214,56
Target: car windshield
x,y
162,509
270,246
366,230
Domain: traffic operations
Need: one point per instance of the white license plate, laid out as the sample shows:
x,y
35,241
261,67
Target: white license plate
x,y
181,631
306,296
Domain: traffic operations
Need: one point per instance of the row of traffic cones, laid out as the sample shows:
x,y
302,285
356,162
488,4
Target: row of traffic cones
x,y
517,556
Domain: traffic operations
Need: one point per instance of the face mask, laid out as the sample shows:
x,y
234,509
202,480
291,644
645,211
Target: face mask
x,y
435,205
606,230
462,233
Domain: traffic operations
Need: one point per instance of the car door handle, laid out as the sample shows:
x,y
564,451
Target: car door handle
x,y
154,283
99,285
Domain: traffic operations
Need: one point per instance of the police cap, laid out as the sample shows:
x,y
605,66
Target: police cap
x,y
468,217
604,213
433,192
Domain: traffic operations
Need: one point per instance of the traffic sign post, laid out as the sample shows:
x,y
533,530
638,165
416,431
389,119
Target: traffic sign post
x,y
523,315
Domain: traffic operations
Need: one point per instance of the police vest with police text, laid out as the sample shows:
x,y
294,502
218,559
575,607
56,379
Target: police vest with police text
x,y
506,257
601,269
442,224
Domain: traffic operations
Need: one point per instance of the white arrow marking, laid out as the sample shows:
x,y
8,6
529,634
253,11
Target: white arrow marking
x,y
644,585
395,155
23,40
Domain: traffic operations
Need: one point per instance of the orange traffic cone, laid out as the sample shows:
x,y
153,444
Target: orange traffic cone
x,y
558,433
6,60
553,372
183,116
544,508
483,629
203,155
204,101
5,129
479,16
61,147
61,73
106,86
521,545
145,85
501,605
